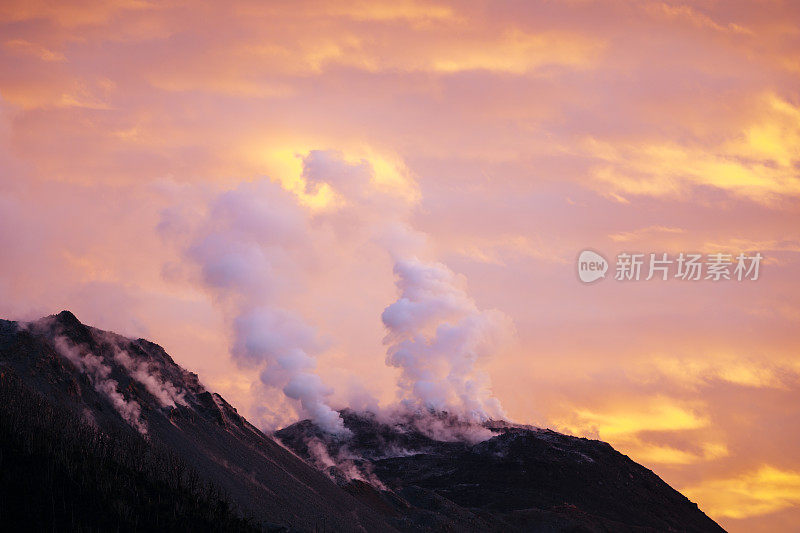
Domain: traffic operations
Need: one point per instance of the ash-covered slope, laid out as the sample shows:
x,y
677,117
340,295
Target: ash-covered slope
x,y
430,471
123,385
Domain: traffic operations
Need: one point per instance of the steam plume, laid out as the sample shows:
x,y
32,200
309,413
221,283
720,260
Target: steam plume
x,y
253,243
98,372
436,336
248,248
164,391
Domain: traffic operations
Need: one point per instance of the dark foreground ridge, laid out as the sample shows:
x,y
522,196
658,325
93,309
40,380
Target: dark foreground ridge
x,y
100,432
520,479
92,440
60,473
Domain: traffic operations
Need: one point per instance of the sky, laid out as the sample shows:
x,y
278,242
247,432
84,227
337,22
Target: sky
x,y
357,174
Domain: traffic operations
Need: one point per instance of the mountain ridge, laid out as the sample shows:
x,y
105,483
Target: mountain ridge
x,y
82,369
412,471
518,478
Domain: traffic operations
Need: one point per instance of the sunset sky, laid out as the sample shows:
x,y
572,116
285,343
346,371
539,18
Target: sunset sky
x,y
503,138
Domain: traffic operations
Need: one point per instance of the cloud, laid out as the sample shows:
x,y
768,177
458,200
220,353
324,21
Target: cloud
x,y
658,413
26,47
757,162
652,430
715,368
478,135
644,233
660,454
687,13
761,491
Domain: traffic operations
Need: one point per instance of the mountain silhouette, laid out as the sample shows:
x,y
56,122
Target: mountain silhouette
x,y
102,432
62,366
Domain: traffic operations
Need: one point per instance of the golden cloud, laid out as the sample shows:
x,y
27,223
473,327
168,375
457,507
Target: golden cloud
x,y
648,232
636,428
762,491
650,453
694,372
760,162
284,162
623,418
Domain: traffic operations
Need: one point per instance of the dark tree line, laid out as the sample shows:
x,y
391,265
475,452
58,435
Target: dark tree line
x,y
59,473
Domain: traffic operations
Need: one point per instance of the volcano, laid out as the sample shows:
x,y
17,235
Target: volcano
x,y
130,396
429,470
103,432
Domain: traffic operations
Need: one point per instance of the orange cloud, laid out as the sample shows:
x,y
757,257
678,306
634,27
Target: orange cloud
x,y
753,493
512,134
759,163
68,14
658,413
28,48
730,368
638,428
658,454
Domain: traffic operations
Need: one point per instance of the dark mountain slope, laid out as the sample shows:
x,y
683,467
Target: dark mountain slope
x,y
125,386
102,432
59,473
522,478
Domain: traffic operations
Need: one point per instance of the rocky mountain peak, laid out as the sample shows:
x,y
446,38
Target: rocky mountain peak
x,y
493,475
